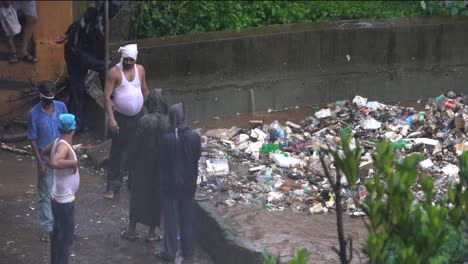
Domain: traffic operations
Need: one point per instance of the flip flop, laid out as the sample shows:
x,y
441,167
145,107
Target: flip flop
x,y
163,256
45,237
124,234
156,237
29,58
13,58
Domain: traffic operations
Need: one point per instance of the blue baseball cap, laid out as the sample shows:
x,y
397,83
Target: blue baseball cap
x,y
67,122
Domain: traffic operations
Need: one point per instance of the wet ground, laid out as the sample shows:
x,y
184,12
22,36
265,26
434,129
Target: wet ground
x,y
98,221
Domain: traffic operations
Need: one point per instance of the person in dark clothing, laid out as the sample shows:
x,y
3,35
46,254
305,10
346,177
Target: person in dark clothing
x,y
144,166
179,172
84,51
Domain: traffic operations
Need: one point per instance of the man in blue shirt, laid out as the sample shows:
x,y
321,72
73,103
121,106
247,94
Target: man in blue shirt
x,y
43,120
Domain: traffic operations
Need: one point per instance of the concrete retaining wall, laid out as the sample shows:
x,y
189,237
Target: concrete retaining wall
x,y
222,242
282,66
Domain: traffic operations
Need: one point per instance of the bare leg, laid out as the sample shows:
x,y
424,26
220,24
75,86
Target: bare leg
x,y
131,228
151,231
11,43
29,28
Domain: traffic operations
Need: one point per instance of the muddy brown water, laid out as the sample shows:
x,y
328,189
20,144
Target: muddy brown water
x,y
282,232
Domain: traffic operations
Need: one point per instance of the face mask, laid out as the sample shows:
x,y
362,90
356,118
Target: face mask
x,y
46,100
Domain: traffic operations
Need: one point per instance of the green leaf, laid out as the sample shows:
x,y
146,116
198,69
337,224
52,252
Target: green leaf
x,y
454,11
423,5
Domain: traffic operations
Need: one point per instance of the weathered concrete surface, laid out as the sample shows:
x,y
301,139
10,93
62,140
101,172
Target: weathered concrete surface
x,y
304,64
220,240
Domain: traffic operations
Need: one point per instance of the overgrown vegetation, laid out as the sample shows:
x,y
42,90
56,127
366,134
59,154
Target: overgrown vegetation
x,y
403,228
164,18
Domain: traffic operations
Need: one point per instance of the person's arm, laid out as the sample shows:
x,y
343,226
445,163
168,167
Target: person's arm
x,y
46,153
32,136
144,85
108,90
35,150
60,160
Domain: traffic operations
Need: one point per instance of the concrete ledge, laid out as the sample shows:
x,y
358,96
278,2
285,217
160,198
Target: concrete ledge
x,y
222,242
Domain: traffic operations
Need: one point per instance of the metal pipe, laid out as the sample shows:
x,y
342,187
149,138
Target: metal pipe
x,y
106,69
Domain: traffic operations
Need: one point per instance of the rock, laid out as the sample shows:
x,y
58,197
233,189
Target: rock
x,y
100,153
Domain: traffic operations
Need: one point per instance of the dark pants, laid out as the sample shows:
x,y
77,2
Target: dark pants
x,y
62,234
78,66
119,150
182,210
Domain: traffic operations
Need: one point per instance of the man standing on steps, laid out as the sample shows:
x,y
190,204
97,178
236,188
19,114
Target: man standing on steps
x,y
43,128
126,81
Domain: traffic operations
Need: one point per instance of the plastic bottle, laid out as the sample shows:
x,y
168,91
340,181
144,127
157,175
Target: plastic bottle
x,y
412,119
280,133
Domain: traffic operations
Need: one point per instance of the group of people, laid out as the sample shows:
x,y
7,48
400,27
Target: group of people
x,y
160,152
149,138
11,27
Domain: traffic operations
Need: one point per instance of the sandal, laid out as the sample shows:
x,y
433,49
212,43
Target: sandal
x,y
45,237
13,58
164,256
29,58
109,195
125,235
154,238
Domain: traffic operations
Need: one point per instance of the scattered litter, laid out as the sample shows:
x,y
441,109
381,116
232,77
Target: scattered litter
x,y
277,165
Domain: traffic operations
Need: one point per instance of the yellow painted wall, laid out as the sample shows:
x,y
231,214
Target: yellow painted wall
x,y
54,19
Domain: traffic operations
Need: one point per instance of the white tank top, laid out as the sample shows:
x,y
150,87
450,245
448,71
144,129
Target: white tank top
x,y
65,183
128,98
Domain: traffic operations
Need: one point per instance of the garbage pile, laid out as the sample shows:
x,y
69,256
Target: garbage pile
x,y
277,166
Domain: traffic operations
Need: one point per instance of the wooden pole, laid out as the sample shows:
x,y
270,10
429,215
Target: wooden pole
x,y
106,44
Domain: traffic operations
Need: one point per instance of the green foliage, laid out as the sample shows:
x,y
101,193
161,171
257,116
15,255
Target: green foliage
x,y
452,8
301,257
165,18
403,230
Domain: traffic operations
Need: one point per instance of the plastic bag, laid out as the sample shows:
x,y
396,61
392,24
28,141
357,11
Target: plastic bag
x,y
9,21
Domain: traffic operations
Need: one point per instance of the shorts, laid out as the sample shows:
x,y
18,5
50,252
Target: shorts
x,y
28,8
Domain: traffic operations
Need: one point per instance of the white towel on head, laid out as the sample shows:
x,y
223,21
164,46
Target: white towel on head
x,y
129,50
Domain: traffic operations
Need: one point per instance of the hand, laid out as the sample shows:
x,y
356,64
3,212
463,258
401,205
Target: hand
x,y
61,39
42,169
113,127
75,169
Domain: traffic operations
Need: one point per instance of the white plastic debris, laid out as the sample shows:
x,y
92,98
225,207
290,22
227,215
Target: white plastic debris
x,y
374,105
318,209
392,136
426,164
427,141
370,123
217,167
285,162
451,170
274,196
360,101
324,113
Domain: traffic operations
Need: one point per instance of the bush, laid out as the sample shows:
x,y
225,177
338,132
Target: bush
x,y
163,18
405,230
